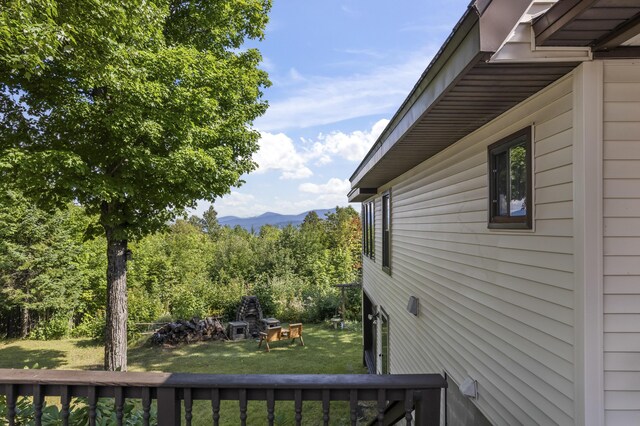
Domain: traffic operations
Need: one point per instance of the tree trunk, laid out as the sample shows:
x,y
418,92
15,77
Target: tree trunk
x,y
115,345
24,323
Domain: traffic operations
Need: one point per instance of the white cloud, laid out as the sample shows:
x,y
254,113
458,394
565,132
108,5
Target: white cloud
x,y
325,201
294,75
364,52
267,64
327,195
237,204
350,146
277,152
323,100
333,186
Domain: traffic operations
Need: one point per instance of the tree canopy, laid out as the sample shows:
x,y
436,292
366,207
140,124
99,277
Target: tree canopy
x,y
134,109
52,283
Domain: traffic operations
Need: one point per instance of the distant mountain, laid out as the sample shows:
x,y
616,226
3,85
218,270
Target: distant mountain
x,y
269,218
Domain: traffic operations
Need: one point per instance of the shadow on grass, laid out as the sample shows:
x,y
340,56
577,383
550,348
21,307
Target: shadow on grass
x,y
17,357
87,343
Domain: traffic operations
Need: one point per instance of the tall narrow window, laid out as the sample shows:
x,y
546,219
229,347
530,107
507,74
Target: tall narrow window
x,y
384,350
386,232
510,182
372,229
368,229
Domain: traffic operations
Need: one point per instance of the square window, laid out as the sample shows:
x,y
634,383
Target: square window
x,y
510,192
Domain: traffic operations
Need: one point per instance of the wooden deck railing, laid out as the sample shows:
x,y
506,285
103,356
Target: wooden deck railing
x,y
419,394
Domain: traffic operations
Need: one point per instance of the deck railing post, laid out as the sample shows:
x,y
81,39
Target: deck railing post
x,y
12,397
427,407
169,407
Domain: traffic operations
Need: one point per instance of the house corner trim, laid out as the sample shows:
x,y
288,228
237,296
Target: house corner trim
x,y
588,244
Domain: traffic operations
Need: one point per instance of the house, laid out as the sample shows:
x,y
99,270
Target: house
x,y
501,218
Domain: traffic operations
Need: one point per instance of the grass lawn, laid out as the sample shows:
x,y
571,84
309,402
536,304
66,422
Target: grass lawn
x,y
326,351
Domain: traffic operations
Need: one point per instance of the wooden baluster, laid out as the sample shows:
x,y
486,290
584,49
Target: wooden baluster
x,y
325,406
65,401
93,401
353,403
408,406
427,407
188,406
119,404
271,403
382,405
215,406
12,396
298,400
242,399
169,406
146,406
38,399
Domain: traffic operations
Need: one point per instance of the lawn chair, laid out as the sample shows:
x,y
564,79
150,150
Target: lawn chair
x,y
273,334
294,332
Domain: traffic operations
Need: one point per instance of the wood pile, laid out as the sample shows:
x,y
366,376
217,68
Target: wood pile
x,y
194,330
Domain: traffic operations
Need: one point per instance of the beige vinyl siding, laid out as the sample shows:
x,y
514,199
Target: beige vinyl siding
x,y
496,305
621,210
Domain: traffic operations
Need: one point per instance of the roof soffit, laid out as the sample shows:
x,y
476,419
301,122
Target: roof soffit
x,y
600,24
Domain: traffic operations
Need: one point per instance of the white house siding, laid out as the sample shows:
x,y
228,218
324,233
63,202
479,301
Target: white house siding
x,y
494,305
621,205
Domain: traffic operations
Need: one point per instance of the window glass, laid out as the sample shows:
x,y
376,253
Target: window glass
x,y
368,229
510,181
518,178
386,231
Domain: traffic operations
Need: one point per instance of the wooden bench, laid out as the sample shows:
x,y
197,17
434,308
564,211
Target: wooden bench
x,y
275,334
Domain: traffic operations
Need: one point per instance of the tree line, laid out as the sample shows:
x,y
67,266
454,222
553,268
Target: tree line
x,y
52,271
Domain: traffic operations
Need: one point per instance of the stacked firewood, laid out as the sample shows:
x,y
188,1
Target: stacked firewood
x,y
194,330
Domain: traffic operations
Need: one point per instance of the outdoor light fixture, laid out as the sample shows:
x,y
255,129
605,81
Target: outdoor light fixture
x,y
413,305
469,387
373,317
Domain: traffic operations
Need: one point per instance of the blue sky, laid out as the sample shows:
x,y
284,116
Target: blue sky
x,y
340,69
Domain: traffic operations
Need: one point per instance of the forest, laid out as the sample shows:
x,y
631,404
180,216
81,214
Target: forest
x,y
53,281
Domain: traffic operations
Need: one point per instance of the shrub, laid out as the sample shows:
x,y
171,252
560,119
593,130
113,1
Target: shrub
x,y
93,327
79,412
56,327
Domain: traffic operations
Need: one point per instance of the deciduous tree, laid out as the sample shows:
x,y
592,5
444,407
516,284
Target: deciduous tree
x,y
134,109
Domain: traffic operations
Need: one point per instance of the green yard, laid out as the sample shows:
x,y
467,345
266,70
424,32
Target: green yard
x,y
326,351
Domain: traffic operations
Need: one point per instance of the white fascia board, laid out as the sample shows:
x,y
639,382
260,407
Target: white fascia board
x,y
520,45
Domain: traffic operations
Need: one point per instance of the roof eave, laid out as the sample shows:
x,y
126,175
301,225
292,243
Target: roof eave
x,y
479,33
461,29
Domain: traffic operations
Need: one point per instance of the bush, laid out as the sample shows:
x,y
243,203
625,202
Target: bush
x,y
93,327
281,297
225,297
55,328
322,305
143,307
79,412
